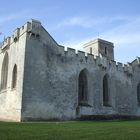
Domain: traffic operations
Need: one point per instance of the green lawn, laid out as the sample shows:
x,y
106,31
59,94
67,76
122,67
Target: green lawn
x,y
82,130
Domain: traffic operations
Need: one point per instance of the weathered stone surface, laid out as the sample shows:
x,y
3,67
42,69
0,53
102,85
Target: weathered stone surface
x,y
47,79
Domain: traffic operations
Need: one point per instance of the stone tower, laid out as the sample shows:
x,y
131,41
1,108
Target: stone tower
x,y
100,47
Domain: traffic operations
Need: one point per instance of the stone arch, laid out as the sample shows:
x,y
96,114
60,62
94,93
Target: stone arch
x,y
138,93
105,90
82,87
4,72
14,76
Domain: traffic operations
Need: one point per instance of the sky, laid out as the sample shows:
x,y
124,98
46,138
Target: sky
x,y
73,23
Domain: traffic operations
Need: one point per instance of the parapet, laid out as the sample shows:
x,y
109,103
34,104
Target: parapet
x,y
33,28
136,62
6,42
99,61
81,54
71,51
128,69
31,25
119,66
102,61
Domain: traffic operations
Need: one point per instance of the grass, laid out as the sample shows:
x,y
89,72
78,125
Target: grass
x,y
82,130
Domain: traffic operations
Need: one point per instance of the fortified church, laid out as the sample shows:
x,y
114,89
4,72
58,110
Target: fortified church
x,y
39,80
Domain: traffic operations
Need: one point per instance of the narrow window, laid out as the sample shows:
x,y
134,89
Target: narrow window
x,y
14,77
4,72
105,91
138,94
90,50
82,99
106,51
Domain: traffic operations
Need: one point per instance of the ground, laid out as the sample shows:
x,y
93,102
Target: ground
x,y
81,130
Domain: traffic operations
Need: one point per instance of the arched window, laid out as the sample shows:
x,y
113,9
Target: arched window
x,y
4,72
14,77
105,91
138,93
83,87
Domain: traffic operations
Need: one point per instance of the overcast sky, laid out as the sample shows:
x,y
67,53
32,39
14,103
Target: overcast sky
x,y
75,22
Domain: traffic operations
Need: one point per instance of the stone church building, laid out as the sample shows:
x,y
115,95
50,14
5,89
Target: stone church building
x,y
40,80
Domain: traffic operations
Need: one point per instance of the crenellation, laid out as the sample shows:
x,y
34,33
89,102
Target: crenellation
x,y
6,42
16,34
71,52
34,27
12,39
119,66
128,69
61,50
134,63
102,61
138,60
97,59
23,29
125,67
81,54
90,57
113,63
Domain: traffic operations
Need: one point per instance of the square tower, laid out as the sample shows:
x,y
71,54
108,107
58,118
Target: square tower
x,y
100,47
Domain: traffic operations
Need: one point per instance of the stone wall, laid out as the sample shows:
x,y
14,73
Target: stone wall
x,y
47,83
51,82
11,99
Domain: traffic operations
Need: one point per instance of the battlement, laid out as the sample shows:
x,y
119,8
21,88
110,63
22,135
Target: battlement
x,y
136,62
71,52
33,27
99,61
128,69
30,26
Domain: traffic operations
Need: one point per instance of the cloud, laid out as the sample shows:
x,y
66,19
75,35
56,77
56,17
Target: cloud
x,y
128,32
125,36
90,22
6,20
13,16
74,21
